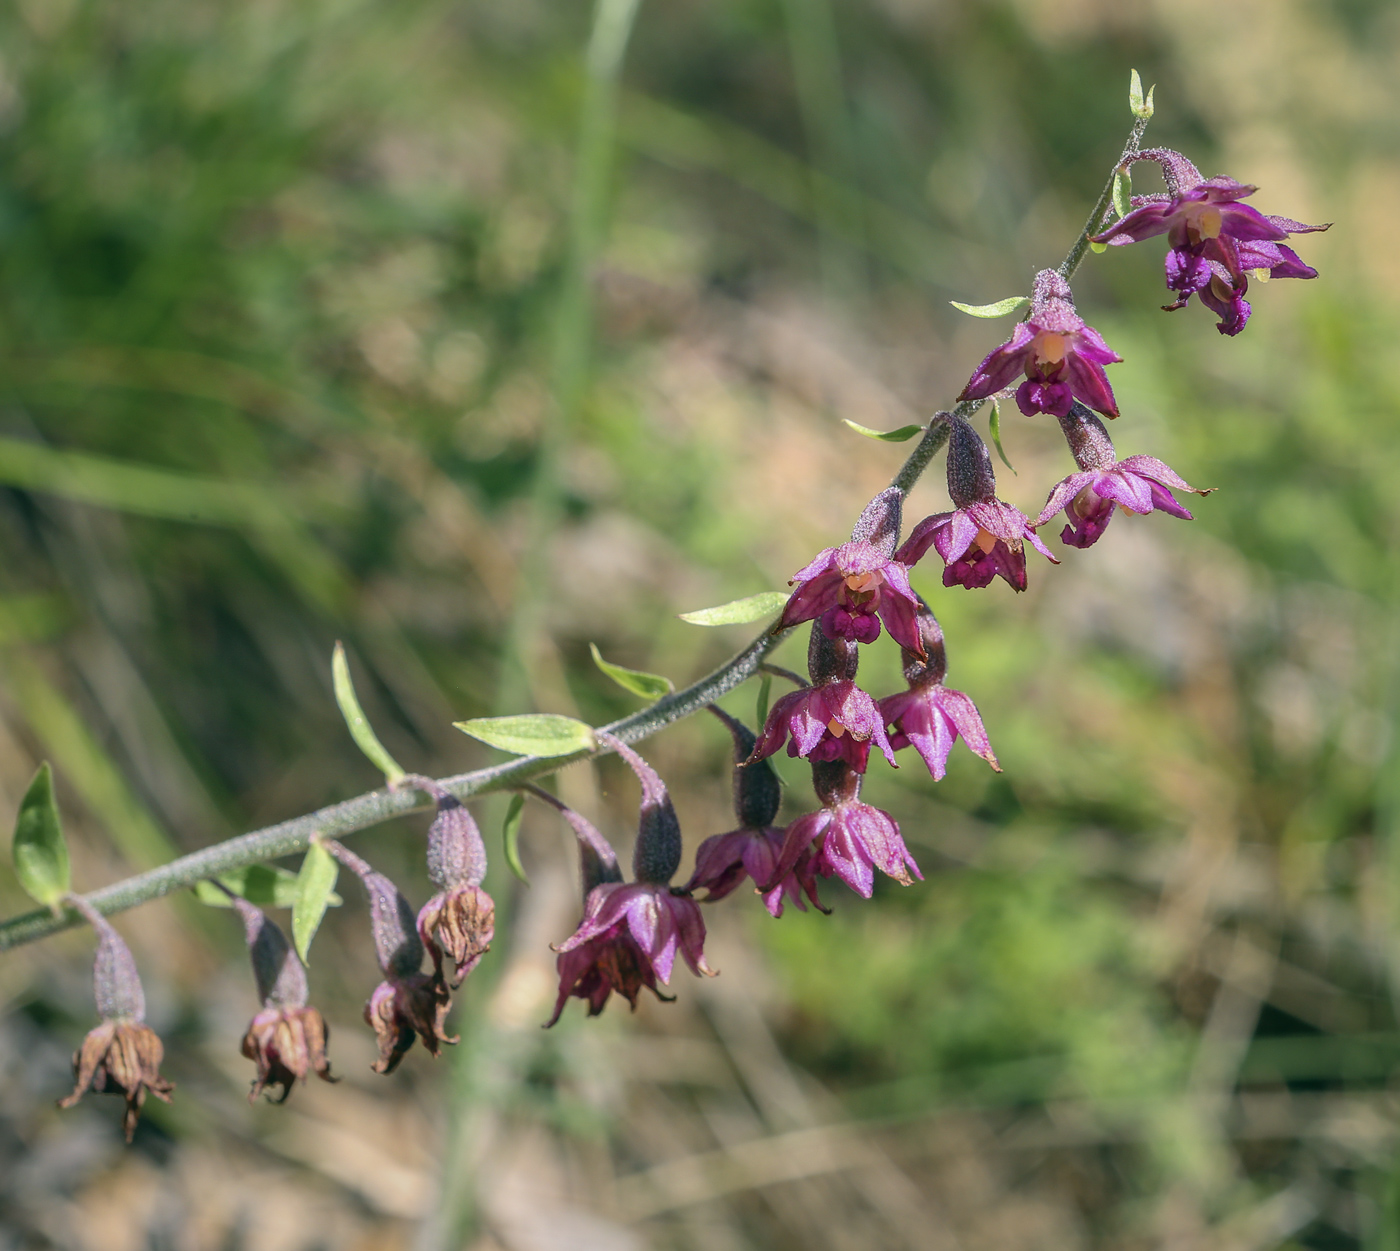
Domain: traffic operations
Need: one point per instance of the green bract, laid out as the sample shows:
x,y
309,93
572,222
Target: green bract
x,y
315,890
1012,304
738,611
40,854
647,685
533,734
360,729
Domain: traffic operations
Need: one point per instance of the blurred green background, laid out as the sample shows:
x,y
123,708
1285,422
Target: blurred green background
x,y
290,352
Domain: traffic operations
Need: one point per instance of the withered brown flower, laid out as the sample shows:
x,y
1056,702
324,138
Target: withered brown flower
x,y
286,1043
120,1057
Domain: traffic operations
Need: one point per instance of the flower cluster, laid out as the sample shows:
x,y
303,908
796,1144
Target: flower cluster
x,y
631,932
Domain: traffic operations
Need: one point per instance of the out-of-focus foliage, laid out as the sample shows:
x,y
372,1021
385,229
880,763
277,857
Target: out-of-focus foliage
x,y
278,289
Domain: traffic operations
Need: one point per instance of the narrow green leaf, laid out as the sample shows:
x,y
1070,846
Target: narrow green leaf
x,y
647,685
360,729
1122,192
994,426
40,854
533,734
902,435
315,890
1011,304
765,689
1136,104
266,885
510,834
739,611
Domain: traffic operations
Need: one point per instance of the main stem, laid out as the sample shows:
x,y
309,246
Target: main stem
x,y
290,837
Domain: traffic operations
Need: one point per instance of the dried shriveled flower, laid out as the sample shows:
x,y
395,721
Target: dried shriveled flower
x,y
723,861
286,1039
1062,358
122,1056
459,922
408,1003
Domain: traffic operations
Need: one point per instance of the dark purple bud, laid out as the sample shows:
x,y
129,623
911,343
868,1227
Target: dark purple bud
x,y
597,859
456,854
918,671
1088,439
970,476
758,794
879,522
396,941
831,659
657,854
835,782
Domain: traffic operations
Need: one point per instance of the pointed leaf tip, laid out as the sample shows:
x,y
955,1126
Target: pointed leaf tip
x,y
40,854
315,889
1138,106
994,428
902,435
532,734
1001,308
356,721
647,685
738,611
510,835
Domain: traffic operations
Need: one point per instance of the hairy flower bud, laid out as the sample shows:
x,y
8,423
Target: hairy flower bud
x,y
459,922
657,854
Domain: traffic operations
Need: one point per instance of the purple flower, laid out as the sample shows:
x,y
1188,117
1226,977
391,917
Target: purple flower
x,y
983,538
598,966
631,931
847,838
929,716
660,921
1061,357
831,720
723,861
852,588
1138,484
1214,241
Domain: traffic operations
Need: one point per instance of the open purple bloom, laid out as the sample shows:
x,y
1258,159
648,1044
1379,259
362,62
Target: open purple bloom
x,y
846,838
929,716
723,861
852,588
661,923
611,961
1214,241
831,720
1137,484
1062,358
983,538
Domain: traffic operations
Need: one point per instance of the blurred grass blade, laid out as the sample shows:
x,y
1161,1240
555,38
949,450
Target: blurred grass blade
x,y
315,889
738,611
647,685
510,834
532,734
40,854
356,721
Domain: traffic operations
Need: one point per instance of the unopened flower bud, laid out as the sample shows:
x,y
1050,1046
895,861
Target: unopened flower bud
x,y
657,854
971,479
